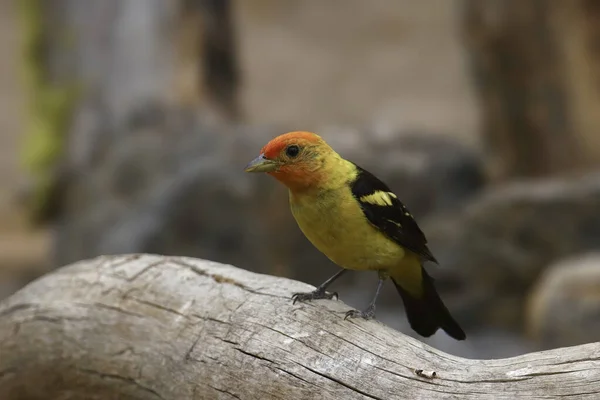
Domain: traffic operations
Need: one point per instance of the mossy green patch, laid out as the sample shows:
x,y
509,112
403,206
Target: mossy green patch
x,y
49,108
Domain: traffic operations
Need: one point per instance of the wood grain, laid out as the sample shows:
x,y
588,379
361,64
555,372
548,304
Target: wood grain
x,y
152,327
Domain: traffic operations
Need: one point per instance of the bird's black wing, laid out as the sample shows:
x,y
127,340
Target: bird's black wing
x,y
384,211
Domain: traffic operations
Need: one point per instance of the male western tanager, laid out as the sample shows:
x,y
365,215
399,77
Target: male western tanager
x,y
358,223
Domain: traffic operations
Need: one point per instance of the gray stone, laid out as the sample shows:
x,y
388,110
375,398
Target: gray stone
x,y
564,305
493,250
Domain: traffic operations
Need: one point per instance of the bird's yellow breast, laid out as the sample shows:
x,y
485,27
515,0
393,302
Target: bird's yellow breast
x,y
335,224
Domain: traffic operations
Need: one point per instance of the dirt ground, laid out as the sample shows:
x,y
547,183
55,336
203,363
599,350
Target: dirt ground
x,y
315,63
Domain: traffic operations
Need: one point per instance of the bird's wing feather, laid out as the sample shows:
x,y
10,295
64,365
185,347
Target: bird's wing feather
x,y
384,211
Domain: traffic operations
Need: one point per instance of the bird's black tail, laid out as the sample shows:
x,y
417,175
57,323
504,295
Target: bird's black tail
x,y
428,313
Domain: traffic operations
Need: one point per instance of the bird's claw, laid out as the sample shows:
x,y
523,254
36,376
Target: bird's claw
x,y
369,313
314,295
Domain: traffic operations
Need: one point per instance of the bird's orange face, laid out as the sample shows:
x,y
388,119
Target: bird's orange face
x,y
293,158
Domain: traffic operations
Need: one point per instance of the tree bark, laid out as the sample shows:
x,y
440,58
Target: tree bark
x,y
152,327
534,65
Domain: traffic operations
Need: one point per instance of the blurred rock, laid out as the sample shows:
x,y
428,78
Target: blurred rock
x,y
564,306
175,186
493,250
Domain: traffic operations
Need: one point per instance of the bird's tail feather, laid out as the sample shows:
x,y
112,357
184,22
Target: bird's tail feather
x,y
428,313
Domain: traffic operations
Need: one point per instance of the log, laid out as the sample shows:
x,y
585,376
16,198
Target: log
x,y
153,327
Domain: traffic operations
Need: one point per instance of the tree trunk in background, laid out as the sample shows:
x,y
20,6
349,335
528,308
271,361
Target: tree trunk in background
x,y
108,67
207,55
534,66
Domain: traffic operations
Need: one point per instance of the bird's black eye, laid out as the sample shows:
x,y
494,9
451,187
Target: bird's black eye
x,y
292,151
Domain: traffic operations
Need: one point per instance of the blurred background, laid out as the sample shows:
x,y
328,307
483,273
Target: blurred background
x,y
125,126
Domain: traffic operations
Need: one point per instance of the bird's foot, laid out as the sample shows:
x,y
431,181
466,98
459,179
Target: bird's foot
x,y
369,313
314,295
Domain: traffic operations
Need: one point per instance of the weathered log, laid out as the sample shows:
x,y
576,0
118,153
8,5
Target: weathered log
x,y
152,327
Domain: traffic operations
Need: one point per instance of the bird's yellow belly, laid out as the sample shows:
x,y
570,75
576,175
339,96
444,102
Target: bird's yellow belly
x,y
344,235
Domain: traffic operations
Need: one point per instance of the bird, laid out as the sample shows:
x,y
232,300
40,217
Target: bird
x,y
356,221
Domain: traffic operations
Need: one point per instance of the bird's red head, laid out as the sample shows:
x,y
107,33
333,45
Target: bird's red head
x,y
293,158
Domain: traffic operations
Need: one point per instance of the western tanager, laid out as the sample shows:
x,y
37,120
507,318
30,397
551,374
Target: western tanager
x,y
358,223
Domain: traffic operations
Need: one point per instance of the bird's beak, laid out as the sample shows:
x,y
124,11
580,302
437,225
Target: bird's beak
x,y
261,164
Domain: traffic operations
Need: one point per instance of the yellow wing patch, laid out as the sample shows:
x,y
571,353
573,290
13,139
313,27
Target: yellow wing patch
x,y
379,198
